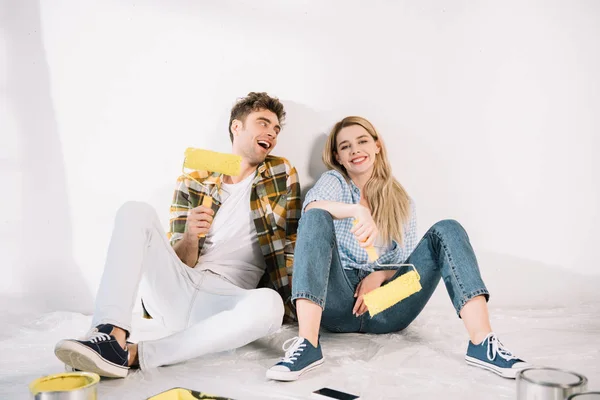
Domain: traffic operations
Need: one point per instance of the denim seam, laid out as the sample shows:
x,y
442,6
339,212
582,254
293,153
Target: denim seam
x,y
304,295
448,255
328,266
321,300
465,298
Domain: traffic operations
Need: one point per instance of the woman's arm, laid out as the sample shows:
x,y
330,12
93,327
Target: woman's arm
x,y
365,230
337,210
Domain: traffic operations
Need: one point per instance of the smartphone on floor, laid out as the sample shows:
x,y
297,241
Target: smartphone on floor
x,y
331,394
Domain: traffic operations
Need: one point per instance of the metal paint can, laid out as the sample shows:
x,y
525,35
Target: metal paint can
x,y
67,386
548,384
585,396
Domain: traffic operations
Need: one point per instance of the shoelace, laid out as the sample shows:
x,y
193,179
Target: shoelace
x,y
96,337
495,347
293,350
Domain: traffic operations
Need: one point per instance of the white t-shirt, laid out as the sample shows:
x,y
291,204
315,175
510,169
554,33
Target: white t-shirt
x,y
231,248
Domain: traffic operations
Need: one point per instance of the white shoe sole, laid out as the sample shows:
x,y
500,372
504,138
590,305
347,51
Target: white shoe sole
x,y
81,357
288,376
509,373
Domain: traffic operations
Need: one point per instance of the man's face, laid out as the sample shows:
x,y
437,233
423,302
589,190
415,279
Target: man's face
x,y
256,137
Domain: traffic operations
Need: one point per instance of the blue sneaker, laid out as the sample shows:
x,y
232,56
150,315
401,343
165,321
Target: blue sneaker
x,y
99,352
493,356
68,368
300,357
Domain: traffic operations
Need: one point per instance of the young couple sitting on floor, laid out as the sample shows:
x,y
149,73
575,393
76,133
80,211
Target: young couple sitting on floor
x,y
228,275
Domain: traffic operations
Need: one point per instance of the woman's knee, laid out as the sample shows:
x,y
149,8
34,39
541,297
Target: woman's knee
x,y
317,219
448,227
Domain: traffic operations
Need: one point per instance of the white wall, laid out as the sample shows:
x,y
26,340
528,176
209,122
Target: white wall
x,y
490,110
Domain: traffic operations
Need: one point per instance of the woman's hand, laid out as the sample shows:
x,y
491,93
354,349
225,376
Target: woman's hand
x,y
365,230
370,283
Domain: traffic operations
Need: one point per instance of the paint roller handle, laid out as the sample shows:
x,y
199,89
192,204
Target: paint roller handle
x,y
206,202
371,252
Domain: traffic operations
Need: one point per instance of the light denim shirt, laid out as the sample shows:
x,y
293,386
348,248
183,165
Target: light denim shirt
x,y
332,186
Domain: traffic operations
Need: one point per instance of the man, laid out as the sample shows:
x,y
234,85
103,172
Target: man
x,y
203,290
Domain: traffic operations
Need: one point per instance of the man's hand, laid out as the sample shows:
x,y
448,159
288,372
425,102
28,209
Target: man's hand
x,y
198,221
370,283
365,229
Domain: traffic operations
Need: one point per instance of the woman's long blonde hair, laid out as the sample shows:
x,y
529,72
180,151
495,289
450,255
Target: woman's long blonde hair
x,y
387,199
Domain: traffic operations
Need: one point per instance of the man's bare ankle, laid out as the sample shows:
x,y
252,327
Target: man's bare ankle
x,y
133,355
120,335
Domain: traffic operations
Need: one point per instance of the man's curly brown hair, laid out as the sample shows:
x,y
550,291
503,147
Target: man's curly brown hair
x,y
255,101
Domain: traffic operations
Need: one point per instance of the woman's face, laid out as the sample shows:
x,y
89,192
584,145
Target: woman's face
x,y
356,150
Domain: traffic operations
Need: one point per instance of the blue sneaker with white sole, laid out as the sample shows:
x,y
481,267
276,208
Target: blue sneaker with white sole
x,y
300,357
68,368
493,356
99,352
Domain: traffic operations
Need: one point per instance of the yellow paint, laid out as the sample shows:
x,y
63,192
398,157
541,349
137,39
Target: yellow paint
x,y
63,382
206,160
372,253
206,202
177,394
397,290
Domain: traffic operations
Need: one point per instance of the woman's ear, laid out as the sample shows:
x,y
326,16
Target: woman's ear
x,y
378,147
337,158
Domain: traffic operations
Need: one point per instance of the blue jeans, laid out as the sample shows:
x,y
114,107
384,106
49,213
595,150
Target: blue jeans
x,y
443,252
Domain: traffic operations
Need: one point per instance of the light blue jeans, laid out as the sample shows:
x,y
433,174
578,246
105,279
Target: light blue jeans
x,y
443,252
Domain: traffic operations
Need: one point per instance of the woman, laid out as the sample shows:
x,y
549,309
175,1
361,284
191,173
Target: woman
x,y
358,203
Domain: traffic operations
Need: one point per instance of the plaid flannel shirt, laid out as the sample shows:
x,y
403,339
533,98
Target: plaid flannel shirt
x,y
275,207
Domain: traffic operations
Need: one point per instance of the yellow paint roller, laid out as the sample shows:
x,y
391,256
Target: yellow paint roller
x,y
394,292
185,394
206,160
